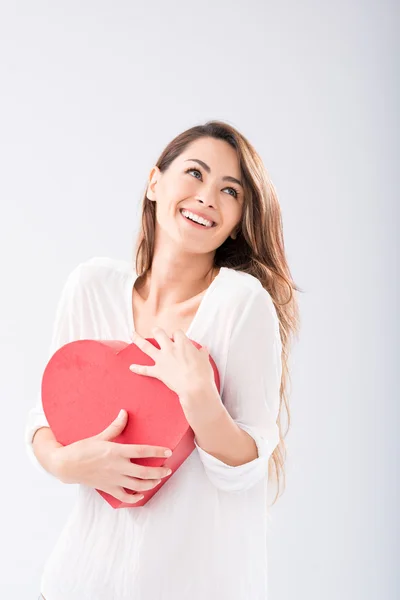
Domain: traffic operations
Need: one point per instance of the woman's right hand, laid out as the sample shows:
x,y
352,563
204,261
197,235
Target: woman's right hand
x,y
105,465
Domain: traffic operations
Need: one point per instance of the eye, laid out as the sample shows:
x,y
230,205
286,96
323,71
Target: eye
x,y
197,171
235,191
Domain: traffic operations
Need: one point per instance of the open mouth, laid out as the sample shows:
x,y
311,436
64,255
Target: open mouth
x,y
195,223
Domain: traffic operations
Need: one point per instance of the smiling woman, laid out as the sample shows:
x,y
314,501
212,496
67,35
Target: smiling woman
x,y
210,267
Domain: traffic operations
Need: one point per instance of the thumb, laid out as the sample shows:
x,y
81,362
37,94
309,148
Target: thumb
x,y
115,428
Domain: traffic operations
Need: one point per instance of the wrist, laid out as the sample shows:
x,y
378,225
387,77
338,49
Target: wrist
x,y
57,463
202,406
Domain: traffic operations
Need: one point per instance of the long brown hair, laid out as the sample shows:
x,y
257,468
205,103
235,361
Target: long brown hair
x,y
258,248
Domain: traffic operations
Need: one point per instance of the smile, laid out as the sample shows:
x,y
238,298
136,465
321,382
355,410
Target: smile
x,y
195,220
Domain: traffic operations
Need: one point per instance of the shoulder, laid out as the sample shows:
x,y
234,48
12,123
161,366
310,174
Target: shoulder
x,y
249,300
98,270
241,279
246,290
99,266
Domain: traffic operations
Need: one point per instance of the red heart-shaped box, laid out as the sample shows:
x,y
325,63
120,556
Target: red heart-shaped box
x,y
87,382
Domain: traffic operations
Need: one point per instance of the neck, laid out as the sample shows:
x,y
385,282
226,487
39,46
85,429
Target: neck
x,y
172,282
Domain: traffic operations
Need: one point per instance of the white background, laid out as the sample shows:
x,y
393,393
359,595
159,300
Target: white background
x,y
91,92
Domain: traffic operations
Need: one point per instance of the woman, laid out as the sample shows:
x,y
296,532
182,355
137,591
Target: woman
x,y
210,266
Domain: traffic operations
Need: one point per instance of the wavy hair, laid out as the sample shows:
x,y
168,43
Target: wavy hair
x,y
258,249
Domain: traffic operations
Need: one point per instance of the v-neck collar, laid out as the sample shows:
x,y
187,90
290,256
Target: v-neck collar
x,y
132,280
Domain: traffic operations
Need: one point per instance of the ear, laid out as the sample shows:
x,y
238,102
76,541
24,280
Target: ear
x,y
150,194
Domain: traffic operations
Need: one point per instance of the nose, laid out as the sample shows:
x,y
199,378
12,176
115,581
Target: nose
x,y
208,202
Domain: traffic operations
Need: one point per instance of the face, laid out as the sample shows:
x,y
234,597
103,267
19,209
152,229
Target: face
x,y
206,187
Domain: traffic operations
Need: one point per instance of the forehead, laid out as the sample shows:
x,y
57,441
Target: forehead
x,y
218,154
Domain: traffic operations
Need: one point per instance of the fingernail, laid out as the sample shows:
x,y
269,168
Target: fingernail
x,y
168,453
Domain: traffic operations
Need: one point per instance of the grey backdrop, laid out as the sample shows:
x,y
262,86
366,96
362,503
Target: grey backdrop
x,y
91,93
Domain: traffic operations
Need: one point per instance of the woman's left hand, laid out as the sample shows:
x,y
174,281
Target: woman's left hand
x,y
184,368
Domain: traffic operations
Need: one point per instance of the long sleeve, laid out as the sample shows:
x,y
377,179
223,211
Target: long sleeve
x,y
251,391
65,329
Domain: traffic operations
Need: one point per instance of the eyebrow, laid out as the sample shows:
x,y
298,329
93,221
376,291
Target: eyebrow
x,y
207,168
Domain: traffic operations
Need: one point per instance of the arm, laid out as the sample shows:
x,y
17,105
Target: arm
x,y
44,442
216,432
233,461
39,439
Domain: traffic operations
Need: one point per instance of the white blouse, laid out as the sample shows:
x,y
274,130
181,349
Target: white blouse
x,y
203,535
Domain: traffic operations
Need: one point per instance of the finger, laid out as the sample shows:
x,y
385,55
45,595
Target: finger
x,y
139,485
179,336
162,338
143,450
146,346
120,494
131,469
144,370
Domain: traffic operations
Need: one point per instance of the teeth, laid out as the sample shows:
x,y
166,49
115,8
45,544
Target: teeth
x,y
193,217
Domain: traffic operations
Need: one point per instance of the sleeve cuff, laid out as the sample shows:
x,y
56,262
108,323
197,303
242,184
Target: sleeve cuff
x,y
36,421
241,477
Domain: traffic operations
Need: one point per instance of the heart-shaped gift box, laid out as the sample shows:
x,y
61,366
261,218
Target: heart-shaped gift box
x,y
87,382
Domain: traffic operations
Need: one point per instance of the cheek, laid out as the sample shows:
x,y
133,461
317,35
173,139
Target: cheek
x,y
239,212
233,212
186,186
179,189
